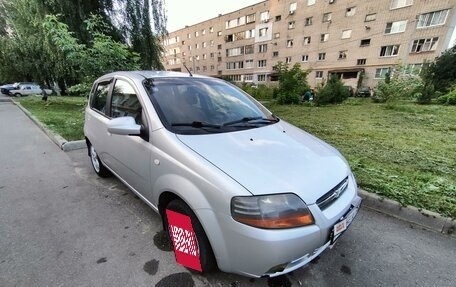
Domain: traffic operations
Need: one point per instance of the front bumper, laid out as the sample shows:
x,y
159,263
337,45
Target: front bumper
x,y
258,253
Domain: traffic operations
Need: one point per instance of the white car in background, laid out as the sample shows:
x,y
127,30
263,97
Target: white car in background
x,y
27,89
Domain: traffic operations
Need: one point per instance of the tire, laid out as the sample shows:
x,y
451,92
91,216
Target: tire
x,y
207,258
99,168
17,95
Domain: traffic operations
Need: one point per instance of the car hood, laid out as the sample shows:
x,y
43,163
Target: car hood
x,y
278,158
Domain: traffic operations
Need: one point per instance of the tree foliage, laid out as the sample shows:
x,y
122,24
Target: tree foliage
x,y
333,92
52,41
292,83
442,72
400,83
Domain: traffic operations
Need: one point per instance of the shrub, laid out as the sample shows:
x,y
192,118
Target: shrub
x,y
425,94
333,92
292,83
80,90
449,98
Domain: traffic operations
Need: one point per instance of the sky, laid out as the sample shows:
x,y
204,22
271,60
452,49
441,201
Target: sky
x,y
189,12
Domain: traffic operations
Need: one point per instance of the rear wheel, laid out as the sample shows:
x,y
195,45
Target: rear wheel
x,y
206,255
17,95
97,165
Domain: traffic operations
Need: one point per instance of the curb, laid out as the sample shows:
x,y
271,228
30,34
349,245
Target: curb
x,y
422,218
62,143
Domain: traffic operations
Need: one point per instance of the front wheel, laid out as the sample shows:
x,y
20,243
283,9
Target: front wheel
x,y
204,249
97,165
17,95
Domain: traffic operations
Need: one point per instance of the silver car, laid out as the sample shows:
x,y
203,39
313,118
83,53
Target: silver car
x,y
261,196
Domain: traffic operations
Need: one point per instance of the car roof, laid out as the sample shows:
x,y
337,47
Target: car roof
x,y
141,75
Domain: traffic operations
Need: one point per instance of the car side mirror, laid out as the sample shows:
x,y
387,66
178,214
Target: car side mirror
x,y
124,126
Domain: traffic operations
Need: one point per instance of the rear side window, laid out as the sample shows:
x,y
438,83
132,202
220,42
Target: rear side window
x,y
98,99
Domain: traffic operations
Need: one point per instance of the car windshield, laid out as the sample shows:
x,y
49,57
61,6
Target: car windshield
x,y
205,105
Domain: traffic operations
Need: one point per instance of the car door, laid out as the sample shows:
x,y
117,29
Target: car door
x,y
130,156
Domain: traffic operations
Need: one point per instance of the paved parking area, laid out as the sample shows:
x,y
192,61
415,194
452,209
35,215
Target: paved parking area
x,y
61,225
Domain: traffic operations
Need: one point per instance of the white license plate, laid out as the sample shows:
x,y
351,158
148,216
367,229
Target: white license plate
x,y
342,225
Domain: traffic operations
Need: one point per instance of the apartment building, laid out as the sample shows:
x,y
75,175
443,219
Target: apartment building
x,y
359,40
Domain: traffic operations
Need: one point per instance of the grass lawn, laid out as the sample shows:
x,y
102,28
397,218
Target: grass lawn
x,y
405,152
63,115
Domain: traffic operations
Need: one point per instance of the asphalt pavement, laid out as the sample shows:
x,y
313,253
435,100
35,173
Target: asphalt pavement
x,y
61,225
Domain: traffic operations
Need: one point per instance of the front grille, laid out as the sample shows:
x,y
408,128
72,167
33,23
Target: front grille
x,y
328,198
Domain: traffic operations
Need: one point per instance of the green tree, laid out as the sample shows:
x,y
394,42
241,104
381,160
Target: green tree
x,y
292,83
442,72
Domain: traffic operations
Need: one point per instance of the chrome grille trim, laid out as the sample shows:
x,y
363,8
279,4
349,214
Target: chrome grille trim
x,y
328,198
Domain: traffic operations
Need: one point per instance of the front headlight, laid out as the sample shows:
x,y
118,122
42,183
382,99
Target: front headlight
x,y
271,211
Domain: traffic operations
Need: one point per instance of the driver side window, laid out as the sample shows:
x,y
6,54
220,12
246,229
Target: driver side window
x,y
124,102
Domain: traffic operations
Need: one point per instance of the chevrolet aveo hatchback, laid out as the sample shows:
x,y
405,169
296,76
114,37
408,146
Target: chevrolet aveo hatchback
x,y
237,187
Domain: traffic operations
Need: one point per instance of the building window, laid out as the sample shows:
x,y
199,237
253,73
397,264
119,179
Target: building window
x,y
361,62
290,43
308,21
389,51
249,49
278,18
197,57
219,33
219,59
248,77
250,34
293,7
211,55
395,27
370,17
381,72
276,35
250,18
318,74
264,16
350,11
424,45
432,19
263,32
204,68
275,53
327,17
346,34
365,42
262,48
235,51
400,3
189,36
219,47
307,40
196,33
305,58
261,78
234,65
204,56
211,29
203,32
310,2
321,56
212,43
291,24
261,63
212,67
342,55
189,47
248,64
196,46
413,69
288,60
204,44
324,37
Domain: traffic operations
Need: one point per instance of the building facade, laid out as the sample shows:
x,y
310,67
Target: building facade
x,y
359,40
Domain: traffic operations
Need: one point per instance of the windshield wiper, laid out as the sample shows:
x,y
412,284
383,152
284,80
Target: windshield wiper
x,y
251,120
196,124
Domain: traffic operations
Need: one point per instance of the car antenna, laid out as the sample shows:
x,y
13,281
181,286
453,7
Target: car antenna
x,y
191,75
